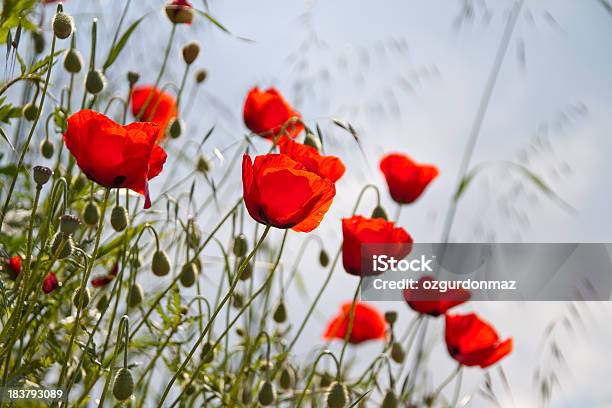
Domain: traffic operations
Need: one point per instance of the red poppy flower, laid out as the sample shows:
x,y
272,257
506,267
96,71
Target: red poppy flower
x,y
179,11
265,113
281,192
359,230
115,156
14,265
50,283
160,106
368,324
406,179
329,167
434,302
104,280
474,342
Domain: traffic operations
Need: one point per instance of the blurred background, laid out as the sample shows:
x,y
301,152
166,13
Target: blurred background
x,y
409,76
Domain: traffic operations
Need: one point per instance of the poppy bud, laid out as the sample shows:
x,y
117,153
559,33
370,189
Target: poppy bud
x,y
39,41
136,295
204,164
103,302
379,212
46,148
30,111
397,353
188,274
63,25
133,77
390,400
247,272
123,388
323,258
191,50
91,214
267,394
208,352
73,62
194,238
160,264
69,223
201,75
95,81
312,141
62,239
42,174
286,379
175,128
247,397
240,245
326,380
179,14
337,396
391,316
119,218
84,299
238,300
79,182
280,314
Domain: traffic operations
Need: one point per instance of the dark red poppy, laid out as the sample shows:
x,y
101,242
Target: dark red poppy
x,y
160,106
368,324
434,302
104,280
14,266
474,342
50,283
329,167
359,230
282,193
115,156
265,113
406,179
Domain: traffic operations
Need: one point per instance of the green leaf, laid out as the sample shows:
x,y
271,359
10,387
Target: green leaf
x,y
44,62
463,184
220,26
114,53
22,64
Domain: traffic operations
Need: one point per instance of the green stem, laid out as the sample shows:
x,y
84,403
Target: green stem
x,y
349,330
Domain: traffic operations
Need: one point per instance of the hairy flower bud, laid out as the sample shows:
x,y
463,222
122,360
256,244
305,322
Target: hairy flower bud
x,y
312,141
238,300
175,128
103,302
160,264
42,174
240,245
30,111
286,379
208,352
390,400
379,212
337,396
397,353
280,313
83,300
323,258
133,77
188,274
91,213
178,14
64,241
136,295
46,148
201,75
267,394
119,218
123,387
63,25
247,272
73,61
391,316
203,165
95,81
190,51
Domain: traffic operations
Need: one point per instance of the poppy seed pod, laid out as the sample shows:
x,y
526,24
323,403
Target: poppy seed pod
x,y
201,75
69,223
30,111
390,400
63,25
82,299
136,295
247,272
123,388
62,239
133,77
208,352
91,214
178,14
286,379
337,396
95,81
267,394
42,174
119,218
73,61
323,258
175,128
391,317
46,148
203,165
39,41
160,264
240,245
397,353
190,51
103,302
280,313
188,274
312,141
379,212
